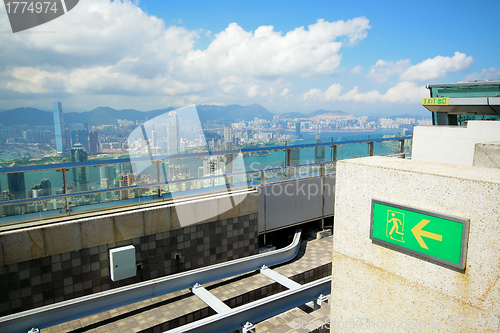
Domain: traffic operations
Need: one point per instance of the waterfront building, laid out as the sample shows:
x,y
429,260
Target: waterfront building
x,y
227,134
154,136
107,172
17,188
67,139
319,152
78,154
59,127
93,142
40,190
173,135
81,136
126,179
212,166
294,156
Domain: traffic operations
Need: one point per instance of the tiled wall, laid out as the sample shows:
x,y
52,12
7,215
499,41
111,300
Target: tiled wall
x,y
51,279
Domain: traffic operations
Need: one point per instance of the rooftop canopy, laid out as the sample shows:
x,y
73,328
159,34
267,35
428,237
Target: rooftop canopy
x,y
456,103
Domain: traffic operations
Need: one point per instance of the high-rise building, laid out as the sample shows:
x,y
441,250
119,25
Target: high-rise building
x,y
177,170
93,142
294,156
126,179
212,166
83,138
154,136
46,186
78,154
17,189
59,127
173,135
40,190
107,172
227,134
297,128
67,139
319,152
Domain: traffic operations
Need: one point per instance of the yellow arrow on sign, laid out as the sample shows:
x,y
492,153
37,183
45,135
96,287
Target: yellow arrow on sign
x,y
419,233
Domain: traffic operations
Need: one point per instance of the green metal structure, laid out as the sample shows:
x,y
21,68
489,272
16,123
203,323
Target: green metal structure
x,y
457,103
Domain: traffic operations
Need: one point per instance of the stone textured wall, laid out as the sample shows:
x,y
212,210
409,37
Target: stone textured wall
x,y
487,155
46,265
373,281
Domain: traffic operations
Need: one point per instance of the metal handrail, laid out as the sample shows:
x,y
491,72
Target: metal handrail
x,y
148,158
157,158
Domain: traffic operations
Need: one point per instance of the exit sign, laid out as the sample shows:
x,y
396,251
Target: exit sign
x,y
436,101
435,236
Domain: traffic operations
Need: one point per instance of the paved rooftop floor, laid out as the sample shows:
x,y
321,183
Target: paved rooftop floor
x,y
151,314
301,319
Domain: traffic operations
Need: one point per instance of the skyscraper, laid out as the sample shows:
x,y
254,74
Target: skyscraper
x,y
227,134
59,127
319,152
67,140
212,166
78,154
294,156
93,142
154,136
83,138
173,135
40,190
17,189
107,172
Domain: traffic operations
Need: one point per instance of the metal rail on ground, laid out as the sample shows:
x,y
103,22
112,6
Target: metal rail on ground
x,y
260,309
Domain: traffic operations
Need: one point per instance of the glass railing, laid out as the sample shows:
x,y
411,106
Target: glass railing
x,y
40,192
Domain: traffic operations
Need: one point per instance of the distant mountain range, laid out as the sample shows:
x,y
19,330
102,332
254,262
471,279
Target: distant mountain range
x,y
321,112
109,116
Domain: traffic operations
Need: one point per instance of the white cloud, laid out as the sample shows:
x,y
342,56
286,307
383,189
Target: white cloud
x,y
116,49
266,53
312,94
437,67
33,80
403,92
485,74
382,70
333,92
253,90
356,69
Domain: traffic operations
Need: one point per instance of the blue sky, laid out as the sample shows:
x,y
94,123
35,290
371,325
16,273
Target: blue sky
x,y
363,57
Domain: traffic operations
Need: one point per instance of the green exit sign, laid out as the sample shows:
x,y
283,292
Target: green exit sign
x,y
438,237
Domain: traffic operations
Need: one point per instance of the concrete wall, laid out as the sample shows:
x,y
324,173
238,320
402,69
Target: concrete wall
x,y
452,144
487,155
379,284
47,264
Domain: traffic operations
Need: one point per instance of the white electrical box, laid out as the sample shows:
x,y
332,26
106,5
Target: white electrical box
x,y
122,262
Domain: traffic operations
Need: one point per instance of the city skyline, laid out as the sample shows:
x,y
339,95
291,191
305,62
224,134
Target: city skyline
x,y
360,57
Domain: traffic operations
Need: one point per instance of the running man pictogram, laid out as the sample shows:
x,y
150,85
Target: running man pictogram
x,y
397,222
